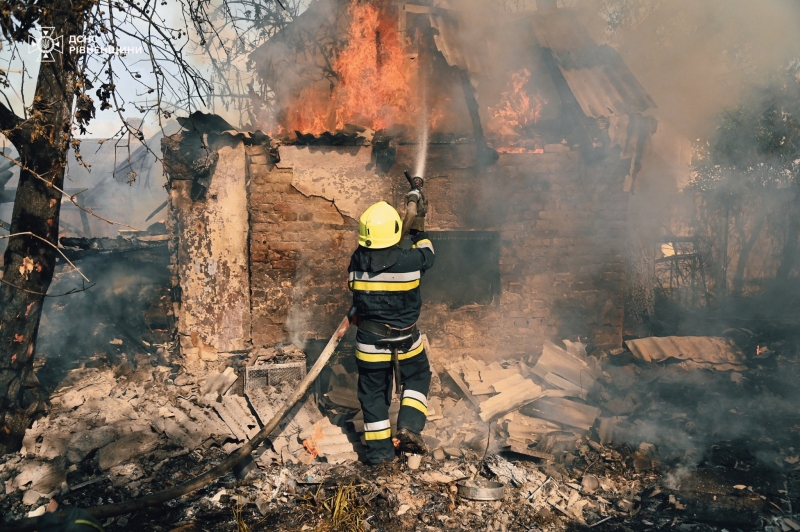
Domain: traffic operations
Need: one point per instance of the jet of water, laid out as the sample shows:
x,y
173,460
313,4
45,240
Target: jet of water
x,y
422,146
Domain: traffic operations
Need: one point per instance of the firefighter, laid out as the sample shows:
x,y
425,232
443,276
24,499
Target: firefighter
x,y
385,282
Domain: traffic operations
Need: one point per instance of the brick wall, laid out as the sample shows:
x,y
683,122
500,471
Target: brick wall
x,y
561,224
299,249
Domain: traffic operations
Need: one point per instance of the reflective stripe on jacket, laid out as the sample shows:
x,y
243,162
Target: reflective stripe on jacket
x,y
385,282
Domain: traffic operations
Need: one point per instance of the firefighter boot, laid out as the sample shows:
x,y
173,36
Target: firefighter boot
x,y
410,442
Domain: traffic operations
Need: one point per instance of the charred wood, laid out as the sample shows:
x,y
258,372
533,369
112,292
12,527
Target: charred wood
x,y
155,247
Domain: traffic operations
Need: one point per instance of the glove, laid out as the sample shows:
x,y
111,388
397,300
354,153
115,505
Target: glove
x,y
422,235
416,196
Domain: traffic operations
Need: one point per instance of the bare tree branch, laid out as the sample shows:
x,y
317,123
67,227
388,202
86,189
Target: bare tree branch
x,y
67,293
70,197
28,233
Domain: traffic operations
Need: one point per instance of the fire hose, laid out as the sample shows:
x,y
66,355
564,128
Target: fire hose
x,y
126,507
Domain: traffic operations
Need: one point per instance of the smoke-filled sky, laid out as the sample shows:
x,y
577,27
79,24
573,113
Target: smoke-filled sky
x,y
698,58
694,58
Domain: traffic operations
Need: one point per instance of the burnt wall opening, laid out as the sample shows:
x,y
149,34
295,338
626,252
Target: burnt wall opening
x,y
467,268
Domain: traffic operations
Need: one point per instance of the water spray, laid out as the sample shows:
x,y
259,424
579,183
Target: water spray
x,y
422,150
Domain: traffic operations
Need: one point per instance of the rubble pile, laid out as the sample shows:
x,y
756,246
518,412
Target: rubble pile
x,y
538,409
607,440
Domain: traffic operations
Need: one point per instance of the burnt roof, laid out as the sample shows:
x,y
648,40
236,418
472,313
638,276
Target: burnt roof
x,y
596,74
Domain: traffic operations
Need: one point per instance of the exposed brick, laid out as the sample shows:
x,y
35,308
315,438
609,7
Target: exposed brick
x,y
272,189
328,217
561,227
285,207
280,176
286,246
281,264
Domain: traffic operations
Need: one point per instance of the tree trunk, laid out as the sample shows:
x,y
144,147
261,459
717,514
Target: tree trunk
x,y
43,141
744,254
722,289
789,253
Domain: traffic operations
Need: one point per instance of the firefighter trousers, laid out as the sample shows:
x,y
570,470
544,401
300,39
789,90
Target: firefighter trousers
x,y
375,388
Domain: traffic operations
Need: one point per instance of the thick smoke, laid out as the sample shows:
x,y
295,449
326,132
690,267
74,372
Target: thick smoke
x,y
697,59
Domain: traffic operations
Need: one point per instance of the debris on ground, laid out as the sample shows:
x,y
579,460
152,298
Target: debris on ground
x,y
598,440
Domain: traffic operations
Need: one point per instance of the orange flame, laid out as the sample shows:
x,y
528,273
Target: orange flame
x,y
311,448
311,444
373,74
517,109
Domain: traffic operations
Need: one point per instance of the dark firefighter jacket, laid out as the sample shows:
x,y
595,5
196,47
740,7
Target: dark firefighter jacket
x,y
385,285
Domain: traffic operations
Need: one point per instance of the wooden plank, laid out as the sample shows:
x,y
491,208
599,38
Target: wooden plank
x,y
511,399
508,382
495,375
481,389
563,411
557,361
562,383
472,377
470,364
529,432
518,442
464,390
534,423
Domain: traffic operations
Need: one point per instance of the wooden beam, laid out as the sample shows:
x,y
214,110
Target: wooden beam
x,y
464,389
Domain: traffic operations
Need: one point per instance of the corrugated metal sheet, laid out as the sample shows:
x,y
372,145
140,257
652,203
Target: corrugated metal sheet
x,y
447,41
697,351
597,76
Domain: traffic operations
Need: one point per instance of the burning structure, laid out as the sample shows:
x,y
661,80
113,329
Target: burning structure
x,y
528,178
531,144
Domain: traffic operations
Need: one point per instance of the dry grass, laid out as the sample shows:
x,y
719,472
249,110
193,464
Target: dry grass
x,y
344,510
238,516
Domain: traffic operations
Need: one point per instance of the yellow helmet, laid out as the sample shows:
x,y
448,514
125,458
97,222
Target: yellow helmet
x,y
379,227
